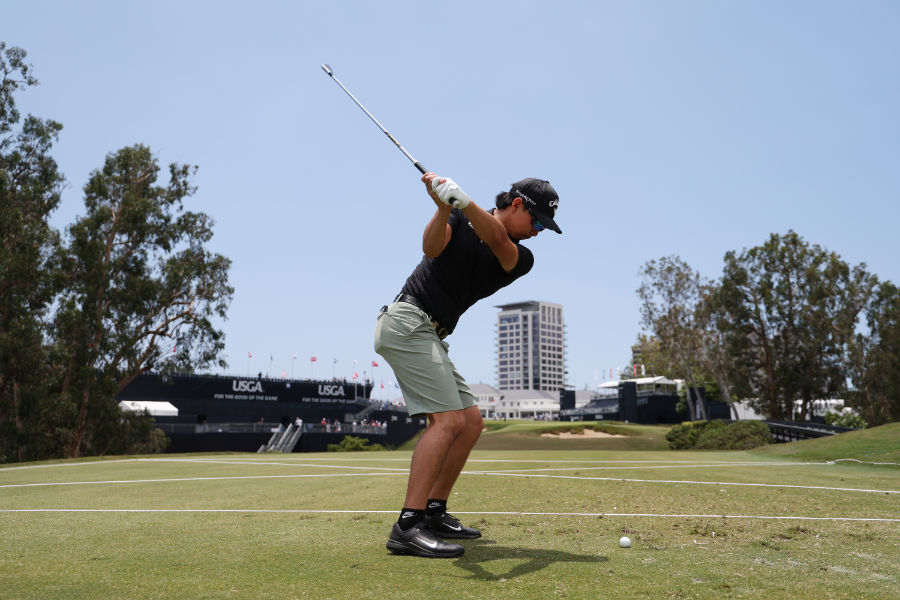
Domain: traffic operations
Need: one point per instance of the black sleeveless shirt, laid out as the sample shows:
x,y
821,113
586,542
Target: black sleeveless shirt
x,y
465,272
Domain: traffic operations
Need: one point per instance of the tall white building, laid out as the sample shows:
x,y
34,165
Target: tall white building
x,y
531,347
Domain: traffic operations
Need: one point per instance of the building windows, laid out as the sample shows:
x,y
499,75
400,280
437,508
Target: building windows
x,y
531,344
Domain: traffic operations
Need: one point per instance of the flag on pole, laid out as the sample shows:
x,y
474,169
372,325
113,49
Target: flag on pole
x,y
374,364
313,359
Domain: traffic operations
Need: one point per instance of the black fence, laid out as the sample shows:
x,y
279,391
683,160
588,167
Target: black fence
x,y
793,431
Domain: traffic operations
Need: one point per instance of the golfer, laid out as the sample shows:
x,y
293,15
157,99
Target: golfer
x,y
470,253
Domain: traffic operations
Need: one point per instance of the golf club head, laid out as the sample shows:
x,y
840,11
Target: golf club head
x,y
327,69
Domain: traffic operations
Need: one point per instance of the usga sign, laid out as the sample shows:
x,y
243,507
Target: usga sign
x,y
331,390
243,385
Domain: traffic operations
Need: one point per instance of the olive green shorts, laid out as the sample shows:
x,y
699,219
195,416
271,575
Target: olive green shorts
x,y
427,377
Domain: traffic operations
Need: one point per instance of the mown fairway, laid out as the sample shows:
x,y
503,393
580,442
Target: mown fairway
x,y
761,524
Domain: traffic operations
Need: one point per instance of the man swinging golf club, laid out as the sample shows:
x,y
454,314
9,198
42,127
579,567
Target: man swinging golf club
x,y
470,253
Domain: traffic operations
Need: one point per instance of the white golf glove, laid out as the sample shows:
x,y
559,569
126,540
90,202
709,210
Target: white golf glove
x,y
450,194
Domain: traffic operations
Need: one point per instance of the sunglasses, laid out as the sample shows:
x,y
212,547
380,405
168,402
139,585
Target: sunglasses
x,y
535,223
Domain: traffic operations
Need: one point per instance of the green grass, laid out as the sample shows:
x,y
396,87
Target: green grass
x,y
526,435
878,444
514,494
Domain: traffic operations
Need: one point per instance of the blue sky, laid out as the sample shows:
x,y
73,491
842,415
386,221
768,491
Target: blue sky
x,y
668,128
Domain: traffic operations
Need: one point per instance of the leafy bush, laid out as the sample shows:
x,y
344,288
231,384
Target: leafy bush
x,y
740,435
156,443
716,435
354,444
845,419
684,436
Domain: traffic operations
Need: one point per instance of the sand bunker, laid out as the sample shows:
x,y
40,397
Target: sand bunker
x,y
587,433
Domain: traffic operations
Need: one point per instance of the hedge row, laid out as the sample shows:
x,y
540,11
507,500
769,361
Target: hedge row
x,y
717,435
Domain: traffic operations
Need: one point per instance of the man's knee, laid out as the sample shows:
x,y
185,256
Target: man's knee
x,y
474,422
452,421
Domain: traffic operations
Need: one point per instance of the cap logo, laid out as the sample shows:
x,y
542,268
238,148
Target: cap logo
x,y
524,197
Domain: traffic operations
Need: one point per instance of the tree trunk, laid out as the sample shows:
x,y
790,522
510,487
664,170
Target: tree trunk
x,y
804,405
704,414
725,391
80,426
20,450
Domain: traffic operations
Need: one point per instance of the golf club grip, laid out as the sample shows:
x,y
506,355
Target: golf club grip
x,y
421,168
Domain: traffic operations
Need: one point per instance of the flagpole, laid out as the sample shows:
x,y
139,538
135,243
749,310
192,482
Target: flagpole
x,y
374,366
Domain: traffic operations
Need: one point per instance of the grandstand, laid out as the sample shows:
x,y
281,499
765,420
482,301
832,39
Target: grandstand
x,y
233,413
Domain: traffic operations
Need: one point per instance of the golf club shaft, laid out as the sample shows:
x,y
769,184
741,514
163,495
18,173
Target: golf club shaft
x,y
415,163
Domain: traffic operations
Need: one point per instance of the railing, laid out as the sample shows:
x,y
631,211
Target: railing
x,y
792,431
309,428
283,440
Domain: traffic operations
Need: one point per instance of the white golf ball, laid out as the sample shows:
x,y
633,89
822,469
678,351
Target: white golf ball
x,y
625,542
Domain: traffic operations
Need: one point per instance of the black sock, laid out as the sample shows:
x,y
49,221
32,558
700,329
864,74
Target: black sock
x,y
410,517
435,507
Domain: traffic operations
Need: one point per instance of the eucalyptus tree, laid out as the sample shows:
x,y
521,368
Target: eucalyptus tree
x,y
671,293
875,358
142,291
788,309
654,359
30,187
132,287
714,355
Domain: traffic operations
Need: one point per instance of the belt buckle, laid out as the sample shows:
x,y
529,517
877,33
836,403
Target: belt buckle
x,y
440,331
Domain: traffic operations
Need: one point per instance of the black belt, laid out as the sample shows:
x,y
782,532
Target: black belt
x,y
440,331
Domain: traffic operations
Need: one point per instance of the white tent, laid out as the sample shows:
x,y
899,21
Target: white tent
x,y
156,409
659,380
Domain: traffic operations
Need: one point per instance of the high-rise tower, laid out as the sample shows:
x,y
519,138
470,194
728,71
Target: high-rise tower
x,y
531,346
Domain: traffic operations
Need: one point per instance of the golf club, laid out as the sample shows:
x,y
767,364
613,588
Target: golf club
x,y
417,164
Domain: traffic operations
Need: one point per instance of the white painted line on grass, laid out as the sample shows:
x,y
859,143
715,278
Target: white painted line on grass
x,y
284,464
775,485
259,460
581,468
167,480
486,513
71,464
404,472
862,462
698,466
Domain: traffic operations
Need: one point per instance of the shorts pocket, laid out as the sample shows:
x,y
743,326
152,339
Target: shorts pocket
x,y
395,326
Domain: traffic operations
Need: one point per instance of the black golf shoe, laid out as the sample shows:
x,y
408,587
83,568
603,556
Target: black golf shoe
x,y
420,541
448,526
